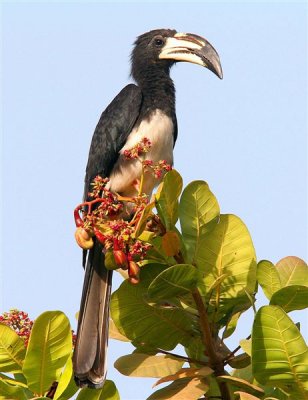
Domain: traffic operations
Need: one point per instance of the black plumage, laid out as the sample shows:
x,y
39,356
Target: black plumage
x,y
143,110
112,130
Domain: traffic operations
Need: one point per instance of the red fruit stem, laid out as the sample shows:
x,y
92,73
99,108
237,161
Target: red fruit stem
x,y
78,219
100,237
116,245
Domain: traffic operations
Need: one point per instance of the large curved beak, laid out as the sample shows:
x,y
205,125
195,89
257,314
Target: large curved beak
x,y
194,49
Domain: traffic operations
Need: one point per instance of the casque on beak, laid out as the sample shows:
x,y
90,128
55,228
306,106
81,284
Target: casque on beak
x,y
194,49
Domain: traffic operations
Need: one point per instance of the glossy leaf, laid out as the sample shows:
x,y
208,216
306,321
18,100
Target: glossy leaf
x,y
268,278
245,396
167,198
138,364
277,394
147,211
246,345
156,253
174,281
291,298
115,334
12,392
242,383
244,373
66,386
229,253
231,325
171,243
12,381
49,348
279,352
292,271
196,350
107,392
240,361
137,320
181,389
199,213
185,373
12,350
110,261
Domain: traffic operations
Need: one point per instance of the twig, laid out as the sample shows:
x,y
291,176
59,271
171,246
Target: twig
x,y
229,356
187,359
215,361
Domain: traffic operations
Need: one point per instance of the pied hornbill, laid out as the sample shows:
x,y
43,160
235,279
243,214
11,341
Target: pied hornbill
x,y
143,110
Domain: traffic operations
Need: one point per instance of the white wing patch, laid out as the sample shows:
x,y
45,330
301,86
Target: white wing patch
x,y
159,129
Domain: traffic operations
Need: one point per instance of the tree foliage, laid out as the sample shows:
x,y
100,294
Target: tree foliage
x,y
197,279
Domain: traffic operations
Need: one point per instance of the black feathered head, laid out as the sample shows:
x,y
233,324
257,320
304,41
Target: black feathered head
x,y
161,48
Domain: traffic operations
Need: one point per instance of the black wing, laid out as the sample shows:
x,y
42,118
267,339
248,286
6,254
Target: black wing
x,y
90,352
111,132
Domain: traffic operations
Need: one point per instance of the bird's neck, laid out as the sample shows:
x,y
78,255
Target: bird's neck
x,y
158,91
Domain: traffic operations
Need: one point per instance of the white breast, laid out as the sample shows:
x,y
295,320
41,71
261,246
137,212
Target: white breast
x,y
159,129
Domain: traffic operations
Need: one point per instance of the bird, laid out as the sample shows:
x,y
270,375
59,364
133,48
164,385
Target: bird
x,y
145,108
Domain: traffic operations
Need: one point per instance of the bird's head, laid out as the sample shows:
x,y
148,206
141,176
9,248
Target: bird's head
x,y
163,47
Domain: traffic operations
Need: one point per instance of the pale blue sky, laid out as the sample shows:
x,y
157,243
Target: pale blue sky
x,y
62,63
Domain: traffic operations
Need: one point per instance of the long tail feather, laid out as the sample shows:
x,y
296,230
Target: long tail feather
x,y
90,354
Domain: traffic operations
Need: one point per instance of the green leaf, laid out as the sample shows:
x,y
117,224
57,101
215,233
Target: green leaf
x,y
138,321
240,361
174,281
147,211
185,373
214,391
146,236
11,381
216,283
12,350
246,396
145,365
171,243
292,271
186,388
246,345
66,386
231,325
19,377
291,298
242,383
49,347
228,252
244,373
115,334
196,350
199,213
110,261
107,392
268,278
167,198
11,392
156,253
279,352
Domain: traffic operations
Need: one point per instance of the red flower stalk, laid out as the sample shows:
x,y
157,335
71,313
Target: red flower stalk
x,y
99,236
78,219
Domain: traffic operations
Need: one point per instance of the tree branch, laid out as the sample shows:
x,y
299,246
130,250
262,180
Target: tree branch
x,y
187,359
229,356
216,362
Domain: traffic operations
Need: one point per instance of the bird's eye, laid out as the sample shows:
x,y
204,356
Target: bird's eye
x,y
159,42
